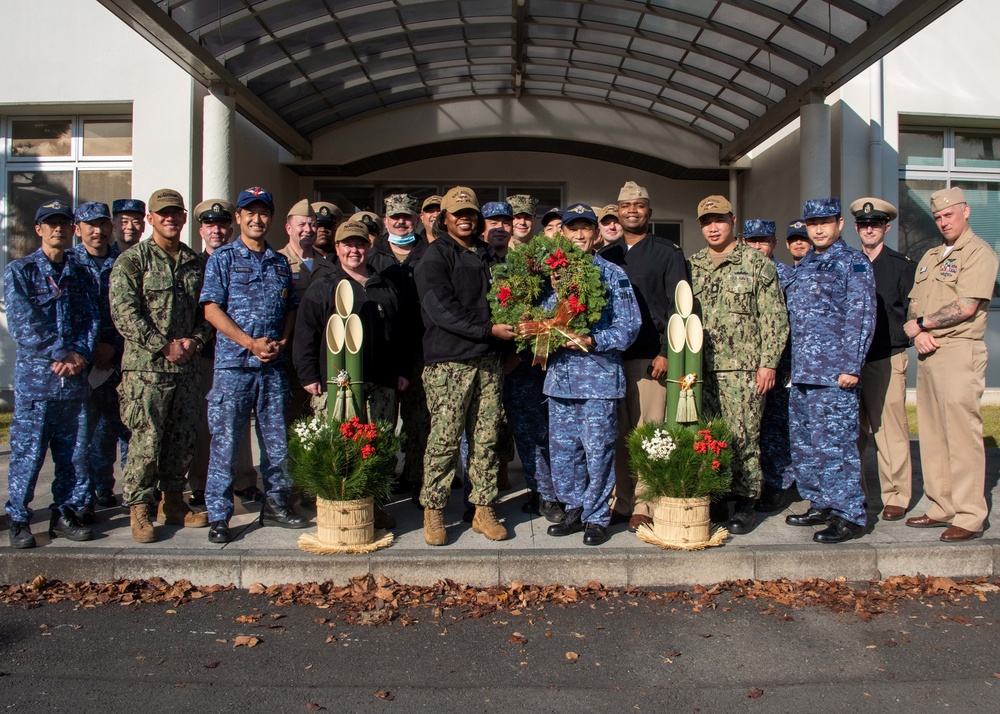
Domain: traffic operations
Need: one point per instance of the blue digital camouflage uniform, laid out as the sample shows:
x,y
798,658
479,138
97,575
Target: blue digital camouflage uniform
x,y
831,308
258,294
583,390
775,451
50,313
528,416
107,434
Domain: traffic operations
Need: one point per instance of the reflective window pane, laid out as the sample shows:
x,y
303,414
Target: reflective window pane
x,y
984,218
104,137
104,186
977,149
26,191
41,137
917,230
921,148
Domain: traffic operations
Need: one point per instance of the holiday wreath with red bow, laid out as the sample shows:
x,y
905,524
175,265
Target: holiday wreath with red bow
x,y
528,277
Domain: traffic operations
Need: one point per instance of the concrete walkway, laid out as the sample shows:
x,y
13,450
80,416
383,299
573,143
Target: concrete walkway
x,y
270,555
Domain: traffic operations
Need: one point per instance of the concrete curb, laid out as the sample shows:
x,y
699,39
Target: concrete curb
x,y
614,567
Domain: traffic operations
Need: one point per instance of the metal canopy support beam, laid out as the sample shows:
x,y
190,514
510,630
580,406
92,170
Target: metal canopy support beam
x,y
146,18
895,27
520,34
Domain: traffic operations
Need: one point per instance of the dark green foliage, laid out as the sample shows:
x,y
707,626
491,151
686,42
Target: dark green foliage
x,y
686,473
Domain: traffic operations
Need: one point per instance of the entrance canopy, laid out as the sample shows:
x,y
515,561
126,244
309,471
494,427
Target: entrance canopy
x,y
733,71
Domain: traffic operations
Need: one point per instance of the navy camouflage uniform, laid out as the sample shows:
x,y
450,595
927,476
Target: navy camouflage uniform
x,y
583,390
831,308
257,293
775,451
108,436
50,313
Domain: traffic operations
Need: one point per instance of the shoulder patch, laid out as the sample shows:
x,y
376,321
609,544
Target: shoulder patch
x,y
624,283
860,268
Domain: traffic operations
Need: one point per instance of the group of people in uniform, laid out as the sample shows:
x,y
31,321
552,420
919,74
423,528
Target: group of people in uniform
x,y
162,355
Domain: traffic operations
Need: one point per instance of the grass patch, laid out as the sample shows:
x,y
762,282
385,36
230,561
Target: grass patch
x,y
991,424
5,418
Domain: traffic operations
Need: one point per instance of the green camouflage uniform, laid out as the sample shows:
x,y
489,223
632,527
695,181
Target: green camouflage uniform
x,y
746,326
154,301
462,396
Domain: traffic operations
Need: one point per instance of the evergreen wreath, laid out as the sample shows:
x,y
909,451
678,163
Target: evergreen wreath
x,y
523,282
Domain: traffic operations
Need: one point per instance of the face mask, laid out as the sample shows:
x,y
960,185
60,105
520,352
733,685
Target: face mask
x,y
402,240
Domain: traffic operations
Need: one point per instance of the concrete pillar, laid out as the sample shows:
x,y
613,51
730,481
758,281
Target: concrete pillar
x,y
876,120
217,161
815,148
734,194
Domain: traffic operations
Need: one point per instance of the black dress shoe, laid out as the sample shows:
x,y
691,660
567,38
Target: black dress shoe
x,y
742,521
197,498
568,525
86,515
251,494
838,531
812,517
552,511
271,514
65,523
532,505
107,500
20,535
594,534
773,499
218,532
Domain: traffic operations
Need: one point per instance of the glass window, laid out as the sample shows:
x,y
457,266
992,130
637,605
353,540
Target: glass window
x,y
107,137
977,149
917,230
26,191
104,186
31,138
983,198
921,147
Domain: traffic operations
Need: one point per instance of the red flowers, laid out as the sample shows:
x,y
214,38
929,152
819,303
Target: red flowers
x,y
367,450
355,430
706,443
556,260
503,295
576,305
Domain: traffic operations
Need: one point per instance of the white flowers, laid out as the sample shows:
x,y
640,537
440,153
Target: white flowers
x,y
659,446
308,432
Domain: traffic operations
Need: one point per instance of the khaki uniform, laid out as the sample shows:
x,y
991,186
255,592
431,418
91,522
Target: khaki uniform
x,y
950,381
153,301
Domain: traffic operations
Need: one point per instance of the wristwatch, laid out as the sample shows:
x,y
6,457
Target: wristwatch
x,y
920,323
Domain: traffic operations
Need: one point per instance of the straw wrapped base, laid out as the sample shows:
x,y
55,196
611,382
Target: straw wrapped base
x,y
310,543
717,536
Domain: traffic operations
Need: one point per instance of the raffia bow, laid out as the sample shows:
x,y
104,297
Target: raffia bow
x,y
687,408
542,331
344,405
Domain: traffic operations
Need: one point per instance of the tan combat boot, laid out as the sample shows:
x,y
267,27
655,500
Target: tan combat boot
x,y
142,527
485,522
434,532
174,512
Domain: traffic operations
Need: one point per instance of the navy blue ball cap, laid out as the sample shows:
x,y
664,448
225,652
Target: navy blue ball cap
x,y
821,208
551,215
796,229
53,208
91,211
578,211
252,194
132,205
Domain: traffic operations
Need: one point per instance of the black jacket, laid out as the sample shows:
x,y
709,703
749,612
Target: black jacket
x,y
452,283
383,261
378,306
654,266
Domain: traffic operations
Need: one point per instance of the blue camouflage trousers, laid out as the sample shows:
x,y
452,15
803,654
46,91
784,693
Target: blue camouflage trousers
x,y
775,452
528,417
823,430
108,437
35,427
582,435
234,394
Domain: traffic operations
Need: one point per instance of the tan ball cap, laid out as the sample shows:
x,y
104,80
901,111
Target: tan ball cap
x,y
460,198
351,229
164,198
716,205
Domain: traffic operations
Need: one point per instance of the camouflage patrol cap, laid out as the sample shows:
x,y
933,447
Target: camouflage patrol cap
x,y
632,191
214,209
399,204
459,199
351,229
497,208
715,205
758,228
302,208
940,200
434,200
578,211
821,208
128,205
873,209
91,211
796,230
53,208
327,213
610,210
165,198
523,203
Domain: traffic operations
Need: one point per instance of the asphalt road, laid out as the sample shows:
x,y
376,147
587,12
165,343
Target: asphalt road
x,y
631,655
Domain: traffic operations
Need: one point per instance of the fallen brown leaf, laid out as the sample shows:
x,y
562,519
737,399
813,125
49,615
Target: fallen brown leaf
x,y
385,695
244,641
755,693
212,665
517,639
572,656
314,707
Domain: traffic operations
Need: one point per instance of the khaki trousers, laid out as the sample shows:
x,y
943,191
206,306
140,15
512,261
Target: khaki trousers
x,y
246,474
950,384
645,400
883,412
